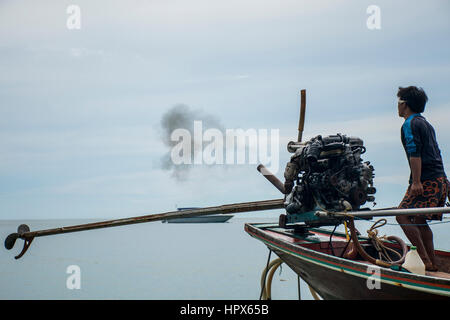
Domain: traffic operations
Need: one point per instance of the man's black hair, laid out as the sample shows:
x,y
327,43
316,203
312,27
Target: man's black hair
x,y
415,98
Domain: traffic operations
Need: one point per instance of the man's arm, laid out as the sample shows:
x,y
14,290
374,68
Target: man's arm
x,y
416,169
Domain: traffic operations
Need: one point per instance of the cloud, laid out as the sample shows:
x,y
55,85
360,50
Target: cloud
x,y
78,107
47,150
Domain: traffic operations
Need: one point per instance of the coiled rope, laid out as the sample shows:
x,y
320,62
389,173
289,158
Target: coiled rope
x,y
379,243
267,278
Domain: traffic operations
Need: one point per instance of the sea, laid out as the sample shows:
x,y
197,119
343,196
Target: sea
x,y
153,261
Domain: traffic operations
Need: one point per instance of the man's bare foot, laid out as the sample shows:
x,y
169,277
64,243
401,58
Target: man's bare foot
x,y
430,267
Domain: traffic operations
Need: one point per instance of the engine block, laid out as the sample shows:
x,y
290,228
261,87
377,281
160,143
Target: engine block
x,y
328,173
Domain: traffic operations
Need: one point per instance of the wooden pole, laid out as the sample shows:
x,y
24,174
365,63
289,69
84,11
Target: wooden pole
x,y
301,121
24,232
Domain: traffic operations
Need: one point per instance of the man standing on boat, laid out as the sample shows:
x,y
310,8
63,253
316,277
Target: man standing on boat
x,y
428,184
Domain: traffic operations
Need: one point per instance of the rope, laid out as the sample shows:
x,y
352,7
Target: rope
x,y
263,280
314,293
270,278
266,285
378,242
347,237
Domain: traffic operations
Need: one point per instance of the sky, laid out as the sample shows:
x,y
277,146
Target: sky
x,y
81,109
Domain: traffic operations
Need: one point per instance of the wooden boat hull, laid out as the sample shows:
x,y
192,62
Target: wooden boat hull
x,y
333,277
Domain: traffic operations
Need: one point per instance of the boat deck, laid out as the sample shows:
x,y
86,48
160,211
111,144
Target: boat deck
x,y
339,243
318,259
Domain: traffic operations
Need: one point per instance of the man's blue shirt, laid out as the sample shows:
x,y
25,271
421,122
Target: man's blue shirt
x,y
419,140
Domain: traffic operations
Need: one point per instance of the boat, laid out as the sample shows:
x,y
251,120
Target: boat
x,y
316,257
218,218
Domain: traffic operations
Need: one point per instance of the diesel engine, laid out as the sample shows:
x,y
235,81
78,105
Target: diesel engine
x,y
328,173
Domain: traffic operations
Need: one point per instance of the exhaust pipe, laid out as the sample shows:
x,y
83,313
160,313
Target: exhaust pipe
x,y
272,178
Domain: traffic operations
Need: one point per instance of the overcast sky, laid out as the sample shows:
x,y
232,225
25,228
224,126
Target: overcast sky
x,y
80,110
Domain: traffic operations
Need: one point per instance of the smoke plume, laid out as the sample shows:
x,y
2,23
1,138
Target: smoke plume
x,y
182,116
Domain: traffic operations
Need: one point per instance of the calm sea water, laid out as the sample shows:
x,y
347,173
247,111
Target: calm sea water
x,y
144,261
151,261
